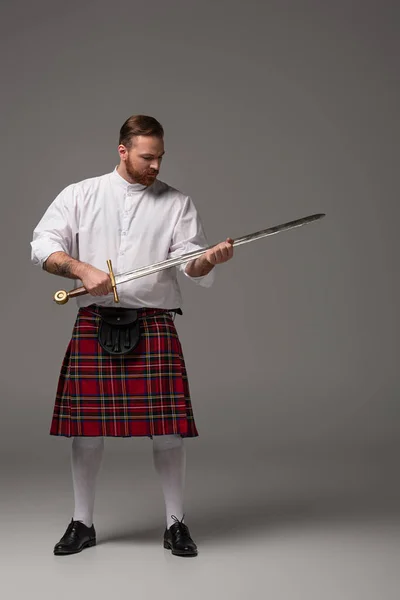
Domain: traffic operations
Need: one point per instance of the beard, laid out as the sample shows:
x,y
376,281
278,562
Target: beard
x,y
144,177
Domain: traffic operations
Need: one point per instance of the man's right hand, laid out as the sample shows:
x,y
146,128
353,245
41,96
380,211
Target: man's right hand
x,y
95,281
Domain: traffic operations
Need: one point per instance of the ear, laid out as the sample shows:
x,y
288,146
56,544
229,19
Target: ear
x,y
123,152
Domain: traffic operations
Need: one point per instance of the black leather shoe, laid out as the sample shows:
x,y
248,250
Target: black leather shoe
x,y
77,537
177,539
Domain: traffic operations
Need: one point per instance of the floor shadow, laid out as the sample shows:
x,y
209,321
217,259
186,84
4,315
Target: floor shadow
x,y
237,519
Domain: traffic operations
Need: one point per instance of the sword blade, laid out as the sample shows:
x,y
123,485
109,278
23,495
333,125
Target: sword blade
x,y
173,262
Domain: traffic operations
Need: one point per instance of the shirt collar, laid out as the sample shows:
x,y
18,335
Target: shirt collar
x,y
129,187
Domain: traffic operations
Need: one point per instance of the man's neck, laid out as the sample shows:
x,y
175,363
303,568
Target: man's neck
x,y
123,172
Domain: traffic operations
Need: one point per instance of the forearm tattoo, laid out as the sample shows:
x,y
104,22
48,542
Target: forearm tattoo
x,y
63,269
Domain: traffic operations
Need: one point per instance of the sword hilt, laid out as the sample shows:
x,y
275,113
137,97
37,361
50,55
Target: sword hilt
x,y
62,296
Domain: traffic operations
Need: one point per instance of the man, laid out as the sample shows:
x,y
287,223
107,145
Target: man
x,y
136,385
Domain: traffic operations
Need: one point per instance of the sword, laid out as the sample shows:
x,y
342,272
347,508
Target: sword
x,y
62,296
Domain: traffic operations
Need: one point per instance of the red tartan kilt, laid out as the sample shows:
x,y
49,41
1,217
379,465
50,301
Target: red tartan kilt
x,y
143,393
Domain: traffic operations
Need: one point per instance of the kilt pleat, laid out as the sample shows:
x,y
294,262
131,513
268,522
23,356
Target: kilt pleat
x,y
142,393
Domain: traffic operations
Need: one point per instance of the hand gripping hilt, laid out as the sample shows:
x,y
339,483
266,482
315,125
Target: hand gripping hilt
x,y
62,296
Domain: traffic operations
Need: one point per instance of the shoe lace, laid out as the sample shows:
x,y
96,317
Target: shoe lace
x,y
72,528
181,525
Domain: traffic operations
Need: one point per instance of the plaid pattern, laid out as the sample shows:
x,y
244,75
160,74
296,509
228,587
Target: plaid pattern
x,y
142,393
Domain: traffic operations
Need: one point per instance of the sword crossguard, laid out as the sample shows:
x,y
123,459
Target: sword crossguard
x,y
114,285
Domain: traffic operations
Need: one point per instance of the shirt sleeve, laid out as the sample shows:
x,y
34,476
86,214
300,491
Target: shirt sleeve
x,y
56,229
189,236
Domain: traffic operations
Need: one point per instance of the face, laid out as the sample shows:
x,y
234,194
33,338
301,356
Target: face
x,y
143,160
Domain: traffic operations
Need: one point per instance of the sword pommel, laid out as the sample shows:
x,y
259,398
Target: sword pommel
x,y
61,297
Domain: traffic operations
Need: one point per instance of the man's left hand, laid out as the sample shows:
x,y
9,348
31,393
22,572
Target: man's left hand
x,y
220,253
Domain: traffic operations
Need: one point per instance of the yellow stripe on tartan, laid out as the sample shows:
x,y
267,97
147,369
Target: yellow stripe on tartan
x,y
76,370
125,397
66,417
105,356
146,336
160,379
102,398
171,380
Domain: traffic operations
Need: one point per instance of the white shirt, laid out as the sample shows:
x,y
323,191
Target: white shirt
x,y
135,226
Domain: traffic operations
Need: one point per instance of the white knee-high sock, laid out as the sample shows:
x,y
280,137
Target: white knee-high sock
x,y
86,458
169,456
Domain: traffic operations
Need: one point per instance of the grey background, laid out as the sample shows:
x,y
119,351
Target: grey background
x,y
272,111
